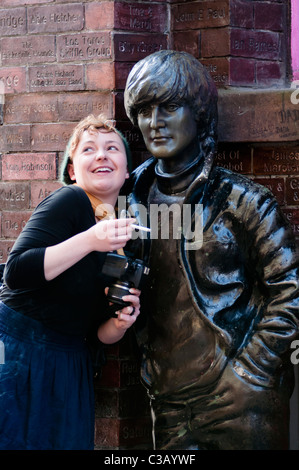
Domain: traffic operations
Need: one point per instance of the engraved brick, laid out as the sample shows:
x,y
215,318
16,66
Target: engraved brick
x,y
13,79
119,109
292,191
42,189
55,18
14,196
269,17
29,166
100,76
215,42
257,44
135,431
132,134
140,17
14,138
13,223
219,69
5,248
84,46
234,157
275,185
276,161
56,78
23,108
292,216
27,50
267,116
187,42
51,137
128,47
79,105
13,22
13,3
197,15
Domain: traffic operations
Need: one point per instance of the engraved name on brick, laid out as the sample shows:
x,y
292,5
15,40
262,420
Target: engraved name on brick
x,y
200,15
53,18
14,196
28,166
22,108
140,17
56,78
13,79
12,22
28,50
130,47
276,161
85,46
13,223
292,191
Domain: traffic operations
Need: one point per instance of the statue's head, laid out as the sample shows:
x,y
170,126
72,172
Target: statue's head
x,y
173,76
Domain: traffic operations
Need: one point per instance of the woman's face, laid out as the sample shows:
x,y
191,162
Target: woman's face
x,y
99,164
170,132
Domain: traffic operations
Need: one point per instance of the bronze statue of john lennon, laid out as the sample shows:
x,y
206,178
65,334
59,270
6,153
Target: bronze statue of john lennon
x,y
217,321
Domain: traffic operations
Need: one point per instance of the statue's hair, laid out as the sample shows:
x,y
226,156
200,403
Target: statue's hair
x,y
174,76
91,124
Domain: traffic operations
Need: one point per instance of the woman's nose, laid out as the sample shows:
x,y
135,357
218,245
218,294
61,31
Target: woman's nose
x,y
101,154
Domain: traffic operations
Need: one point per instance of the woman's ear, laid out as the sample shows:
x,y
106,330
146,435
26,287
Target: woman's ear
x,y
71,172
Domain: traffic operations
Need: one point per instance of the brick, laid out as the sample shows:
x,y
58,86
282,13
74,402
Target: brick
x,y
119,109
255,44
23,108
275,185
14,138
242,71
51,137
234,157
27,50
140,17
128,47
78,105
5,248
187,42
13,3
121,72
135,432
111,374
100,76
106,432
29,166
269,17
292,216
13,79
276,161
55,18
241,14
292,191
106,402
89,46
270,73
197,15
13,223
219,69
14,196
13,22
56,78
215,42
42,189
99,16
132,134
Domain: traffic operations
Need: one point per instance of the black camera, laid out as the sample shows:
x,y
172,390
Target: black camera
x,y
126,273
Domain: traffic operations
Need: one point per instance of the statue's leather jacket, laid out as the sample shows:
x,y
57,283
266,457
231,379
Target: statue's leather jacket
x,y
244,278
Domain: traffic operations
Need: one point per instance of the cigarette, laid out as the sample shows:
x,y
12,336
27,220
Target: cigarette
x,y
139,227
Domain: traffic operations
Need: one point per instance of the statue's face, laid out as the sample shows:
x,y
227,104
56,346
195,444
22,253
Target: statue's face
x,y
169,131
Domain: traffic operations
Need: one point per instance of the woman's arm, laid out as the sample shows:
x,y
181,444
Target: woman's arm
x,y
107,235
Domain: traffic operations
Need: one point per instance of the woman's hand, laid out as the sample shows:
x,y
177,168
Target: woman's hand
x,y
114,329
110,235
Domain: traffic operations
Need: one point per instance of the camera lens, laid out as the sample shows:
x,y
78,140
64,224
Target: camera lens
x,y
117,291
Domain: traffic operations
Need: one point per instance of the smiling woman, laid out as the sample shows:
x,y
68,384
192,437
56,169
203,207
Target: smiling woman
x,y
53,303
